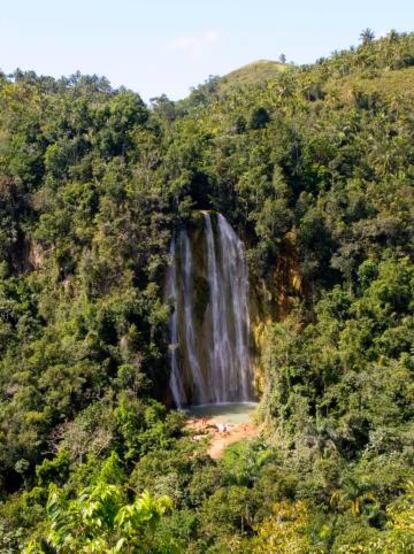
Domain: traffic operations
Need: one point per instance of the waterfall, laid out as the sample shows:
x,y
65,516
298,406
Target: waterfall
x,y
176,382
207,287
190,336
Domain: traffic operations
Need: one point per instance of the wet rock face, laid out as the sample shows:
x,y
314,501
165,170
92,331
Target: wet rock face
x,y
208,289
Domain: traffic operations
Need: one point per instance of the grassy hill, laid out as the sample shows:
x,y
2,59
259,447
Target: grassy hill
x,y
252,73
246,77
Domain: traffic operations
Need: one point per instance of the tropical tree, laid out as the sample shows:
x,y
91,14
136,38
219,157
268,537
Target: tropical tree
x,y
99,520
286,531
367,35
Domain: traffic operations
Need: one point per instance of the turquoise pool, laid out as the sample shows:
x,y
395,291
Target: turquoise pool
x,y
229,412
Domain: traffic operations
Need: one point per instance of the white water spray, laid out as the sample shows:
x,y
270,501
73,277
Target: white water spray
x,y
209,356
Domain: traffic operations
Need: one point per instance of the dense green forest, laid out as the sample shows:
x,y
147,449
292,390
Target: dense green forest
x,y
93,185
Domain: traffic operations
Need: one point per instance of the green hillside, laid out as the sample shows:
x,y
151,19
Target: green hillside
x,y
313,167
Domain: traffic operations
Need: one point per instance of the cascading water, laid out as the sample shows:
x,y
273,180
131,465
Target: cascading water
x,y
207,286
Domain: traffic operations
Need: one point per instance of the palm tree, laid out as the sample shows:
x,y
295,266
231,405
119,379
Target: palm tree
x,y
353,496
367,35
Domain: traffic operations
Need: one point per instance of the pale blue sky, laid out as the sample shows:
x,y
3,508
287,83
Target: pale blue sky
x,y
166,46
